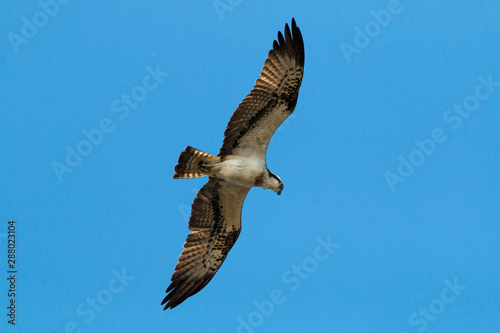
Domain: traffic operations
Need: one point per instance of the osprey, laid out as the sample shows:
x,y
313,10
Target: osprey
x,y
239,166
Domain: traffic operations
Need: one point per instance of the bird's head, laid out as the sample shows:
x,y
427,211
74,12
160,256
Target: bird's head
x,y
275,183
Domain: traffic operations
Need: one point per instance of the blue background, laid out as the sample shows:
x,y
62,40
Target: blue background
x,y
356,117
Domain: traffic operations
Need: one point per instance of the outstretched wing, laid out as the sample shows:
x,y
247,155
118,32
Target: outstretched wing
x,y
271,100
216,222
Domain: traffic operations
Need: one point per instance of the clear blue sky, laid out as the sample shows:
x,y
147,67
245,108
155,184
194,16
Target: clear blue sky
x,y
392,157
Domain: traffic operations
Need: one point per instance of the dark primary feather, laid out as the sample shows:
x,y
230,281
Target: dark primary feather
x,y
216,222
272,99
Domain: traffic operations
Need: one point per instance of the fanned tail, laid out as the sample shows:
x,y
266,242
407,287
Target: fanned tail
x,y
194,163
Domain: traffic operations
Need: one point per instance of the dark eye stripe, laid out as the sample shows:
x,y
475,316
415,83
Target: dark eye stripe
x,y
272,175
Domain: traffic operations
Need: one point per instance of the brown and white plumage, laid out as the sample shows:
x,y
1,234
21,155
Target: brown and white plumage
x,y
239,166
271,100
216,222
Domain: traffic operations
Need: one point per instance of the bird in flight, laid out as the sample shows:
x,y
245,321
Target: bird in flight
x,y
239,166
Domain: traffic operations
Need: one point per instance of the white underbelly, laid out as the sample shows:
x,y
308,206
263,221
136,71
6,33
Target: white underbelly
x,y
241,171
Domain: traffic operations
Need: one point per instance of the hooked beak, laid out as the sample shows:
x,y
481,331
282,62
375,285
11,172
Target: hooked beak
x,y
278,192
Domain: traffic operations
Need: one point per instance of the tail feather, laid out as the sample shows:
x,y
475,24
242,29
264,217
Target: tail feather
x,y
193,163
